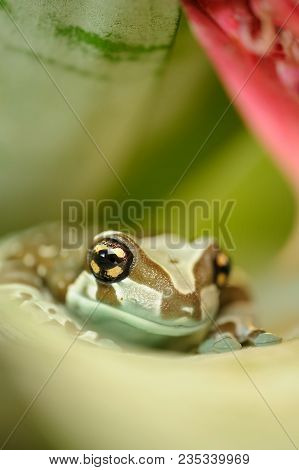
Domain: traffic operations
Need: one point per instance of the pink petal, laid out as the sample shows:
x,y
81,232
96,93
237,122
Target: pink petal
x,y
281,11
259,68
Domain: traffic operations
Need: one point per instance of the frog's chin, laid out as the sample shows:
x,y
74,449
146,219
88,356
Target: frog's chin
x,y
82,303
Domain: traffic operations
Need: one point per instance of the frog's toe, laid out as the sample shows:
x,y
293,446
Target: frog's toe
x,y
263,338
220,343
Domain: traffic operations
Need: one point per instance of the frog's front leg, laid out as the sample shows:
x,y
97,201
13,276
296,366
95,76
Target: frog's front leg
x,y
235,325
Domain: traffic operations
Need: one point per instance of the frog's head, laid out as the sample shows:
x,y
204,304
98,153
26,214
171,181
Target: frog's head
x,y
158,279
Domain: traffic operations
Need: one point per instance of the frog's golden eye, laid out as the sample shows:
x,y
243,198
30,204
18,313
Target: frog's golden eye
x,y
110,260
222,268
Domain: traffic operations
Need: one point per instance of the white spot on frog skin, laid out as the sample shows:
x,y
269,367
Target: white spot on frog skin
x,y
209,297
61,284
29,260
48,251
138,296
90,336
188,310
41,270
92,287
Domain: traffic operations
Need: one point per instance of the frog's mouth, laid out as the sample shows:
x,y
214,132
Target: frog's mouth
x,y
82,302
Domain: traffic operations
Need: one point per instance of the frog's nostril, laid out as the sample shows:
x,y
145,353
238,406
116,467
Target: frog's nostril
x,y
167,292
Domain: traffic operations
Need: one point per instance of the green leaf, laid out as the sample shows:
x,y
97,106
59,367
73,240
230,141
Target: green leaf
x,y
104,399
75,77
85,36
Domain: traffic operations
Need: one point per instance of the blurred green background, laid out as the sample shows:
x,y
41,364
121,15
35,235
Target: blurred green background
x,y
129,78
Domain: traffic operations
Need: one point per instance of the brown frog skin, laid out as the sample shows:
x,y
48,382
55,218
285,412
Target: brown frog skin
x,y
159,291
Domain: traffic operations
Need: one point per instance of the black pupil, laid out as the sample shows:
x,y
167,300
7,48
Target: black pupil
x,y
107,258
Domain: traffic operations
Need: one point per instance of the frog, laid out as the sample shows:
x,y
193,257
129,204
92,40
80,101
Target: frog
x,y
159,292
